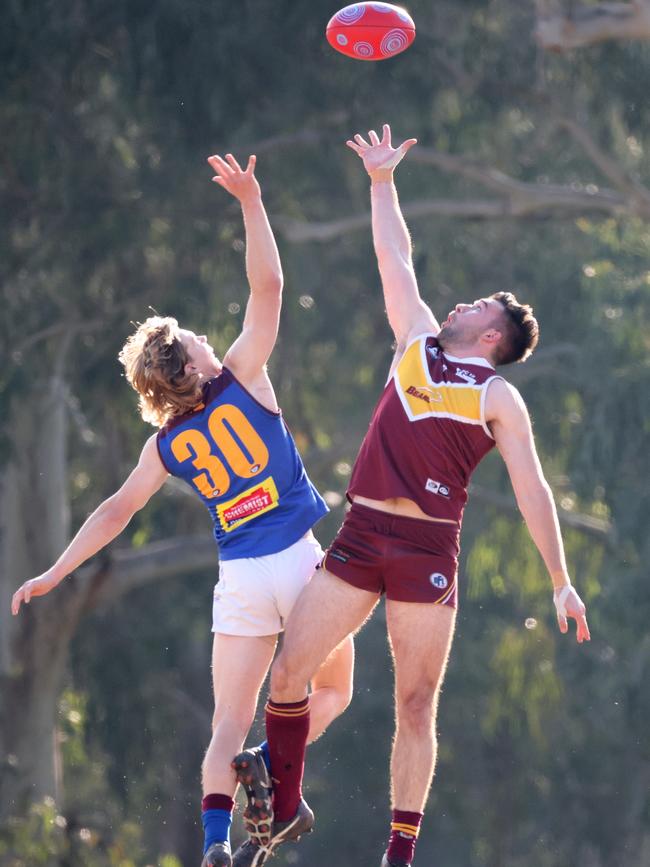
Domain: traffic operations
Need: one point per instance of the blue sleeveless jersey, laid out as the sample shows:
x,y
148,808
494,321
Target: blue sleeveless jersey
x,y
242,461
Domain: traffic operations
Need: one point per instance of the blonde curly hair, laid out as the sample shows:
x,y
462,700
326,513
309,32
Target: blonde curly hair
x,y
154,360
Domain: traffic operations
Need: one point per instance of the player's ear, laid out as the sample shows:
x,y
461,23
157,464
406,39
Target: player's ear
x,y
189,368
492,336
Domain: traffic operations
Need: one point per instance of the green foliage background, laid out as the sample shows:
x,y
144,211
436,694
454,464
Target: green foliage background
x,y
108,112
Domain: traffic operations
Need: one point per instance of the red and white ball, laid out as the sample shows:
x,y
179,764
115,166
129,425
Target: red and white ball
x,y
371,31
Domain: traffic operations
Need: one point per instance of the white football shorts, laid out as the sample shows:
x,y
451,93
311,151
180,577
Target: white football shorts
x,y
255,595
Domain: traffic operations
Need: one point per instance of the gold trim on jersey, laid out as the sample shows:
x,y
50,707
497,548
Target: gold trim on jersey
x,y
423,398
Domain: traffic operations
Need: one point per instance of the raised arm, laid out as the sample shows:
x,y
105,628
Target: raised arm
x,y
105,523
509,421
250,352
408,315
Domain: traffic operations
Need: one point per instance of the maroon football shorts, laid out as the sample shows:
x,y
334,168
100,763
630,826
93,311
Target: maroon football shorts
x,y
408,559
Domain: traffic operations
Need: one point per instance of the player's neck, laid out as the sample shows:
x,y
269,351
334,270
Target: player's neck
x,y
460,350
210,371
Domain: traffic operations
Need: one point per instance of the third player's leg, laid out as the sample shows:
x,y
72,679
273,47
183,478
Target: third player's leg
x,y
327,611
420,636
239,666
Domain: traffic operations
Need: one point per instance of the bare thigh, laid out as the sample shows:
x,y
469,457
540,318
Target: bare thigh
x,y
327,611
239,666
420,635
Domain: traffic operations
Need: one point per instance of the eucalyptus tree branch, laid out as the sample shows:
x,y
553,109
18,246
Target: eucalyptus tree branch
x,y
493,179
514,199
609,167
588,524
299,232
299,137
584,24
65,328
530,201
304,136
522,194
125,569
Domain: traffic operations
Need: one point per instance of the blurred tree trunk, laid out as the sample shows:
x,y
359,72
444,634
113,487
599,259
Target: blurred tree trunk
x,y
34,523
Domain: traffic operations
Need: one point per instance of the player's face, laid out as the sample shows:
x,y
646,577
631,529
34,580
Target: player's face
x,y
200,353
466,322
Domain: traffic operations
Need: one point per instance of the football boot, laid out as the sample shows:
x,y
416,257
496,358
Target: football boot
x,y
218,855
253,775
252,854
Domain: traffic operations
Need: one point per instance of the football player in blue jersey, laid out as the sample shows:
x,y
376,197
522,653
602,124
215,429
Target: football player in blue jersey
x,y
221,431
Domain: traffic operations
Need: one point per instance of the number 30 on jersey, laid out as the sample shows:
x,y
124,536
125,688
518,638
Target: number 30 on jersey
x,y
237,440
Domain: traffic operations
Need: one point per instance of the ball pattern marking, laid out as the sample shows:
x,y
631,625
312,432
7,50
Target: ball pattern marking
x,y
370,31
393,42
363,49
351,14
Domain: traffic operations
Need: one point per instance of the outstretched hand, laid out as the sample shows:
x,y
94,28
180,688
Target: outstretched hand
x,y
34,587
230,175
569,604
379,157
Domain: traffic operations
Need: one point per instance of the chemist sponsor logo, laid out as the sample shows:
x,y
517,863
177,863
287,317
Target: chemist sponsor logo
x,y
248,505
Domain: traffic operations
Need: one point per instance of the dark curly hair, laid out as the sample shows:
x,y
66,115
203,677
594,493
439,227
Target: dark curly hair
x,y
520,330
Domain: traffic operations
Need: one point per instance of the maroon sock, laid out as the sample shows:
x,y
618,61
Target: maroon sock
x,y
217,802
404,829
287,727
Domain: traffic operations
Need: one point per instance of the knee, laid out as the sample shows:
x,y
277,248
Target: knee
x,y
416,710
286,676
281,675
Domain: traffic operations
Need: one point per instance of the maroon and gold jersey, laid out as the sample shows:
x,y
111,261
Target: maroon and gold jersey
x,y
428,431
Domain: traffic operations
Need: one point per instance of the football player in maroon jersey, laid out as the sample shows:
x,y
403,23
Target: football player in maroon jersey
x,y
443,408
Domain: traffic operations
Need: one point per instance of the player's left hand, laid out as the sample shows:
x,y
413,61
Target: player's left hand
x,y
569,604
379,157
229,174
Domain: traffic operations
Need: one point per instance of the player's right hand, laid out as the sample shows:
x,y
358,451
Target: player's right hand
x,y
569,604
38,586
